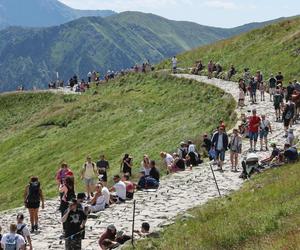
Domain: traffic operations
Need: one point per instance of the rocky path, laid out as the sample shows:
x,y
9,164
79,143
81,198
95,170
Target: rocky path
x,y
177,193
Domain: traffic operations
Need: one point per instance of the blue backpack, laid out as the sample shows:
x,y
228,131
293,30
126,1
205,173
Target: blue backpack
x,y
11,243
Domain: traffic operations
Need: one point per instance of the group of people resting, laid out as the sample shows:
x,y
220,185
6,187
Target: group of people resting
x,y
213,70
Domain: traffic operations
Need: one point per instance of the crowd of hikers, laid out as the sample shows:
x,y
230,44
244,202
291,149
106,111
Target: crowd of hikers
x,y
94,76
77,207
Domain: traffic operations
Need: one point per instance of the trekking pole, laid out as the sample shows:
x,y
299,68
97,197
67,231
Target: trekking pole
x,y
133,220
215,179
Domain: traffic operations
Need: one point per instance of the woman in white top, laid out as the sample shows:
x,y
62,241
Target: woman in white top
x,y
98,202
235,146
145,165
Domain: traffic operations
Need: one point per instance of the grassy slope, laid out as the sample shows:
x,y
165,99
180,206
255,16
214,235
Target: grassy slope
x,y
270,49
264,214
137,114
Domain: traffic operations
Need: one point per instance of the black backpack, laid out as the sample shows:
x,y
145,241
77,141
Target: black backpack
x,y
34,192
20,231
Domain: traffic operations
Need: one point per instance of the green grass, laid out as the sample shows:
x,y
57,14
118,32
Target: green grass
x,y
137,114
264,214
270,49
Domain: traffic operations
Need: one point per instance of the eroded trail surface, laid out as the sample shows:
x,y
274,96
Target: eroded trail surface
x,y
177,193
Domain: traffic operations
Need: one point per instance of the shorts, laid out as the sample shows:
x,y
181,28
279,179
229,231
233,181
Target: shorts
x,y
88,182
33,205
73,243
272,91
277,106
286,122
253,136
263,134
220,155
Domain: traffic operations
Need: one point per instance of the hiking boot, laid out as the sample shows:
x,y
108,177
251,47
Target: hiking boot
x,y
32,230
36,227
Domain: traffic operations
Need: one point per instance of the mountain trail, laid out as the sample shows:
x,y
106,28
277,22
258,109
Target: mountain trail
x,y
177,192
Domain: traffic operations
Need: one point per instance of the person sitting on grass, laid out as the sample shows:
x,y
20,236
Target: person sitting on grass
x,y
290,153
107,239
129,186
167,159
145,228
147,182
120,189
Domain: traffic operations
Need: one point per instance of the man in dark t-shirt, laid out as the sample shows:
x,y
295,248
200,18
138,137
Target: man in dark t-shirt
x,y
154,172
290,153
74,221
102,166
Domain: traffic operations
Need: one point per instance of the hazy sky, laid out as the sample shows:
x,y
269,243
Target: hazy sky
x,y
222,13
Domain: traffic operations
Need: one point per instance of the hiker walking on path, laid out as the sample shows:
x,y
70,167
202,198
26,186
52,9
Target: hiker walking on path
x,y
264,130
102,166
220,145
174,64
288,115
88,174
272,86
67,194
23,230
126,164
235,146
278,102
254,123
62,173
12,240
74,221
33,196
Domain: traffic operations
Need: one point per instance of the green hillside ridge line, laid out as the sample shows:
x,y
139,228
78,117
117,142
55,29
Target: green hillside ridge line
x,y
32,56
270,49
137,114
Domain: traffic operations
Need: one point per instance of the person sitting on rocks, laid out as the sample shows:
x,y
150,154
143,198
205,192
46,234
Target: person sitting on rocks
x,y
129,186
182,150
193,153
98,202
120,189
218,71
12,240
107,239
178,164
167,159
145,164
290,153
147,182
62,173
154,172
274,157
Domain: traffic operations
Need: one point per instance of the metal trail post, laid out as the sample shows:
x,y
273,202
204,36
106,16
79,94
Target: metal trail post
x,y
215,179
133,220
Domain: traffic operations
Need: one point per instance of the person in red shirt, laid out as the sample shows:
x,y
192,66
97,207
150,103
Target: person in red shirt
x,y
254,122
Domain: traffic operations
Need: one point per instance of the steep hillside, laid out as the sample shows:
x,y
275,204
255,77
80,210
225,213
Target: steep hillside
x,y
41,13
33,56
137,114
270,49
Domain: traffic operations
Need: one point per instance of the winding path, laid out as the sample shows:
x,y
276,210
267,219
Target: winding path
x,y
177,193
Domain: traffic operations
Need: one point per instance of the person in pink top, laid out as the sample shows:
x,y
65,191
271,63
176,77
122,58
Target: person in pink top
x,y
62,173
254,123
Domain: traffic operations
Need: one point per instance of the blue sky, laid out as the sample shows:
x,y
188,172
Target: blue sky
x,y
221,13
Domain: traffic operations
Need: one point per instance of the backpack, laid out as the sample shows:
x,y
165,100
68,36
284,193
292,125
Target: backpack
x,y
20,231
34,192
11,243
289,112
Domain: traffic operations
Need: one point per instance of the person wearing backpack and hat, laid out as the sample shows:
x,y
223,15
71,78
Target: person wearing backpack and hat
x,y
32,198
12,240
89,173
23,230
